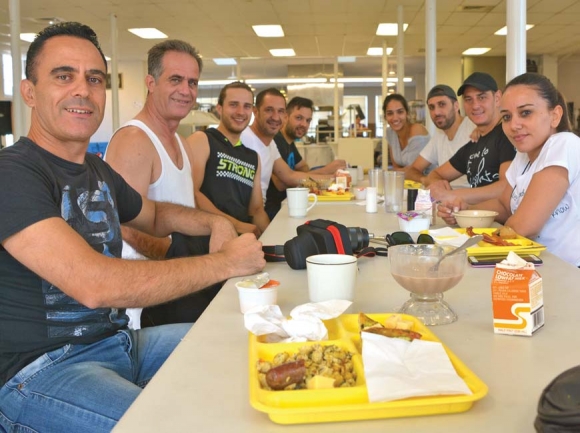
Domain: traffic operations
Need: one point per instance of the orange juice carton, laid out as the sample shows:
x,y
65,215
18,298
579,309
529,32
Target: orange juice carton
x,y
517,297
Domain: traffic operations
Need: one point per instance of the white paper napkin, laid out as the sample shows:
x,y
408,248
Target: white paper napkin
x,y
396,369
448,236
305,323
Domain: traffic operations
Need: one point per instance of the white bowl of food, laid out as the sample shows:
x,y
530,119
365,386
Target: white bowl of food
x,y
475,218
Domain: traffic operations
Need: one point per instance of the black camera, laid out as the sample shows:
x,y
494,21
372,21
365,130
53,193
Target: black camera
x,y
323,237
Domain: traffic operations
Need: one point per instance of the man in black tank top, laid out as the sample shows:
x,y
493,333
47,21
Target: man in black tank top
x,y
226,173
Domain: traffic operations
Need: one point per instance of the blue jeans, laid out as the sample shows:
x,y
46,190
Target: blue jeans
x,y
86,388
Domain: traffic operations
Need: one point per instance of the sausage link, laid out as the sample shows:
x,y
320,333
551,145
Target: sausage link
x,y
286,374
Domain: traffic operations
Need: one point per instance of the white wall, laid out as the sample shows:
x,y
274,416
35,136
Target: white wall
x,y
568,70
131,98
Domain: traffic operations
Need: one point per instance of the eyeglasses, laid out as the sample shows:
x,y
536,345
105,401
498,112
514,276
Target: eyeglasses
x,y
404,238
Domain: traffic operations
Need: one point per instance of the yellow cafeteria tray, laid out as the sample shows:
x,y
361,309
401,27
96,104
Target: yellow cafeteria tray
x,y
348,404
522,245
411,184
330,196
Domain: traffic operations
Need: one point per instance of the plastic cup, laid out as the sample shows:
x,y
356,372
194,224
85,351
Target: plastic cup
x,y
250,298
394,190
376,179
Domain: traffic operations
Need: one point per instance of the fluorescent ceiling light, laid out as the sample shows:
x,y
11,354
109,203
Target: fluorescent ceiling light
x,y
107,58
269,31
378,51
286,80
28,37
390,29
225,61
214,82
346,59
283,52
475,51
148,33
503,30
369,80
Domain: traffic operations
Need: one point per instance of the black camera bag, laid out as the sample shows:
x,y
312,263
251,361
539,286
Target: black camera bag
x,y
317,237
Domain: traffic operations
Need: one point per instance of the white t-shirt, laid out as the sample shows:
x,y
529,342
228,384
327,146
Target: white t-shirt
x,y
440,148
561,233
268,155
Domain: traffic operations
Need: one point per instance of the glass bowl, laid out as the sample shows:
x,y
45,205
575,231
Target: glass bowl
x,y
412,267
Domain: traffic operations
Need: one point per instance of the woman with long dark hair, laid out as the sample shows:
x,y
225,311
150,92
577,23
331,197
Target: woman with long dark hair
x,y
406,139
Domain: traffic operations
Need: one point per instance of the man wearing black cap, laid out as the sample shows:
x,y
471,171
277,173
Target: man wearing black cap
x,y
453,133
485,161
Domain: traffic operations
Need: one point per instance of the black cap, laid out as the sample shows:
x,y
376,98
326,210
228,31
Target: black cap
x,y
442,90
479,80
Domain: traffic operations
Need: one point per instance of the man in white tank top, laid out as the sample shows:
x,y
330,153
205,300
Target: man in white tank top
x,y
149,153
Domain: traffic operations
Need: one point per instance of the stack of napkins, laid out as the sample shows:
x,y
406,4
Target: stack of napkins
x,y
305,323
396,369
448,236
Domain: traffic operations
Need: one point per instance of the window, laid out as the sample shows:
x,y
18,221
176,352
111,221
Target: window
x,y
8,84
349,116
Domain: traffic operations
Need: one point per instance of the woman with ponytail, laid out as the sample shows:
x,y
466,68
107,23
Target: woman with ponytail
x,y
542,200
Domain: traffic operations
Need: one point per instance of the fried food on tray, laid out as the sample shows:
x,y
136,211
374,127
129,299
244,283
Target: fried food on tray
x,y
404,334
490,238
506,233
393,324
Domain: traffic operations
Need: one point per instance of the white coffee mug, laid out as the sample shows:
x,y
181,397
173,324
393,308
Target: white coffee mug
x,y
298,201
331,276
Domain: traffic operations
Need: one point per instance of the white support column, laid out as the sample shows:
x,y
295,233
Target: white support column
x,y
516,38
114,72
18,106
336,115
400,51
430,55
384,143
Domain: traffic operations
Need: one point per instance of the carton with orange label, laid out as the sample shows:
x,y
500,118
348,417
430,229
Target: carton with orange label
x,y
517,297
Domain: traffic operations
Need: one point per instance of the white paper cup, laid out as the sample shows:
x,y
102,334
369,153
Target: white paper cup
x,y
250,298
331,276
298,201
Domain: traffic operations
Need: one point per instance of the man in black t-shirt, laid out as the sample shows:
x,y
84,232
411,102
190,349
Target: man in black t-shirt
x,y
226,174
67,360
298,117
484,161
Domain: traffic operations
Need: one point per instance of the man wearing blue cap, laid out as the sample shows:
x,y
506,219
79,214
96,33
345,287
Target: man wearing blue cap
x,y
453,132
484,161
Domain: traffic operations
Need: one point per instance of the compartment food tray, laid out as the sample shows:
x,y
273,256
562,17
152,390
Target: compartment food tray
x,y
330,196
523,245
348,404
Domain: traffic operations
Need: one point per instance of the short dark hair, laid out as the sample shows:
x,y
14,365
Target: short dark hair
x,y
298,102
395,97
547,92
156,53
272,91
233,85
69,28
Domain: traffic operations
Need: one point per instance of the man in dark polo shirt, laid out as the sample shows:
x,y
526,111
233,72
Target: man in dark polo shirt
x,y
298,117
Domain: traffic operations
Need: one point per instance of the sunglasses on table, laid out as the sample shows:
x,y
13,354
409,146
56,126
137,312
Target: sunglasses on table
x,y
404,238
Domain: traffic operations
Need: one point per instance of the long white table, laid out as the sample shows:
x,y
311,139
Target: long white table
x,y
203,386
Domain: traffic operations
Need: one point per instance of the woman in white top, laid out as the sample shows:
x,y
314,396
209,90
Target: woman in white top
x,y
541,201
406,139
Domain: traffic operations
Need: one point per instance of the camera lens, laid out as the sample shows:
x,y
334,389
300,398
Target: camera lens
x,y
359,238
